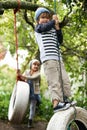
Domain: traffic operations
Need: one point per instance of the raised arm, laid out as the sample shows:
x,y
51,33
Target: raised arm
x,y
45,26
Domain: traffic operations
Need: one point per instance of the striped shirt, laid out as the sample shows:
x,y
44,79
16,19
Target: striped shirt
x,y
48,45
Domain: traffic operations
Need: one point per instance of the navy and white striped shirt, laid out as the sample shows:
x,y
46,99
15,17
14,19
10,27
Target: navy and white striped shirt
x,y
48,40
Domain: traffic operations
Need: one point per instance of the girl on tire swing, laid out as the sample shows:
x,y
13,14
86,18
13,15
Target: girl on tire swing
x,y
32,77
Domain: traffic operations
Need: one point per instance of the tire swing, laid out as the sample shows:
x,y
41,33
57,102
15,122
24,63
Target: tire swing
x,y
65,120
18,102
20,96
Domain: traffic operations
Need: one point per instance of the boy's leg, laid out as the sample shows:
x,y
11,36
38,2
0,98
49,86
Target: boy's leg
x,y
52,72
66,82
52,76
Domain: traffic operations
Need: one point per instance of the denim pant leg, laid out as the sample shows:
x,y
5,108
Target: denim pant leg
x,y
32,108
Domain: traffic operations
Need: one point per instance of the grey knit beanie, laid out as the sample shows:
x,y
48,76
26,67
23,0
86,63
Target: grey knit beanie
x,y
39,11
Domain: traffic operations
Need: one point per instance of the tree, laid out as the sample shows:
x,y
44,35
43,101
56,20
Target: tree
x,y
73,15
2,52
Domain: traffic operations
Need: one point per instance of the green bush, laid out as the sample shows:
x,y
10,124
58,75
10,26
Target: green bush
x,y
80,96
7,81
4,103
45,110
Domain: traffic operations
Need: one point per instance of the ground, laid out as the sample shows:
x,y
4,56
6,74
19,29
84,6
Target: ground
x,y
6,125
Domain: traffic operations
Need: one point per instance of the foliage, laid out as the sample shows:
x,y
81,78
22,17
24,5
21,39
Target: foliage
x,y
4,103
80,97
45,110
6,86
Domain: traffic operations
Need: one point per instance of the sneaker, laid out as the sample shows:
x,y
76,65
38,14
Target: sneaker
x,y
61,106
70,101
30,123
73,103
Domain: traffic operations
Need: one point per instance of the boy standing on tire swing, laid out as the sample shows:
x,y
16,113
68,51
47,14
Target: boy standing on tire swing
x,y
49,37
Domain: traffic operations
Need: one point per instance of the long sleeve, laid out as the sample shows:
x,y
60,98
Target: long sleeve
x,y
59,36
34,76
31,77
45,27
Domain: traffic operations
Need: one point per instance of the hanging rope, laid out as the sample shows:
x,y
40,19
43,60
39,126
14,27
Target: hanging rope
x,y
15,32
62,87
55,6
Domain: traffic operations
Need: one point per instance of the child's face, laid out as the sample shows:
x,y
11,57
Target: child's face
x,y
35,66
44,18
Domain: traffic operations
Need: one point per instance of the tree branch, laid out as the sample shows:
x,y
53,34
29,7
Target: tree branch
x,y
25,5
8,4
27,19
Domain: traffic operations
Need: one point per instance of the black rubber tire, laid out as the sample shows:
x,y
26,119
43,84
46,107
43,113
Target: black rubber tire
x,y
19,102
62,119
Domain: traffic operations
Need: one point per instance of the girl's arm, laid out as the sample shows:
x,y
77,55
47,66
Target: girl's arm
x,y
34,76
31,77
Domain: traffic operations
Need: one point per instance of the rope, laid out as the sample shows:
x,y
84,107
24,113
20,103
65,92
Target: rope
x,y
55,6
75,112
61,80
74,118
17,9
15,32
